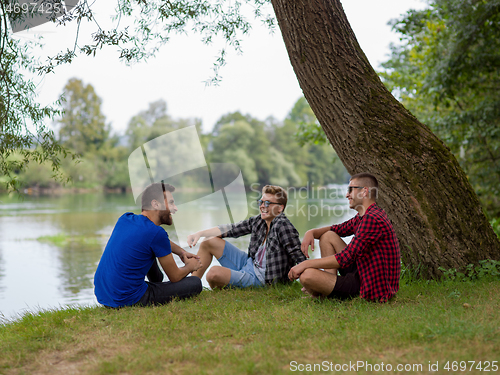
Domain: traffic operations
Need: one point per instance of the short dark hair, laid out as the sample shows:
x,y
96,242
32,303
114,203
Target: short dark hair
x,y
367,180
278,191
154,192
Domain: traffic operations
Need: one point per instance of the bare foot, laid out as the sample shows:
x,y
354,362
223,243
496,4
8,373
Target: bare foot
x,y
307,294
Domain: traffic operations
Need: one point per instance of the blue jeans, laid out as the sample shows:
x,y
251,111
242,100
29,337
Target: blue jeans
x,y
159,293
241,266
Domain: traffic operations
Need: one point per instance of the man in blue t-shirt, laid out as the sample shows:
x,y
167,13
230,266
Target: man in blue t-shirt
x,y
131,253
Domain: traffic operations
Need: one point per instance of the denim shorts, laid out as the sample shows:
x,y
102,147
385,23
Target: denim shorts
x,y
241,266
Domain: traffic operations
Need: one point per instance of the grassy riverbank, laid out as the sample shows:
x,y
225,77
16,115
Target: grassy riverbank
x,y
268,331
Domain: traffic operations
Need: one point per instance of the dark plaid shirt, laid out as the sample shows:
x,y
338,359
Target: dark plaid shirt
x,y
283,244
375,250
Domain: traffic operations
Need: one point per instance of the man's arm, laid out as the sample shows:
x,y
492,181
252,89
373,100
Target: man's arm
x,y
181,253
192,239
175,273
309,238
368,233
324,263
290,241
236,230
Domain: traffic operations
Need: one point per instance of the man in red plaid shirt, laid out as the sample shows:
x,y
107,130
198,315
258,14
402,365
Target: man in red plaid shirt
x,y
369,266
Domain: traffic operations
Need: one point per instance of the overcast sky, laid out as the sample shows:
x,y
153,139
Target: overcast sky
x,y
260,82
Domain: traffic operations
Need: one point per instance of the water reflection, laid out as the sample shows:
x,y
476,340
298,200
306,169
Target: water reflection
x,y
78,264
38,274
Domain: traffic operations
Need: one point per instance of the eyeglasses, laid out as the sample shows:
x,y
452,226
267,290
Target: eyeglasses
x,y
349,188
266,203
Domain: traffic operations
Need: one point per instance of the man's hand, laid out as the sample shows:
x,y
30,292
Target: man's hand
x,y
193,264
187,255
306,242
192,239
296,271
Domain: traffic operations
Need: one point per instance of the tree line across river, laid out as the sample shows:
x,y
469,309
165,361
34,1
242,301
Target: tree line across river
x,y
267,151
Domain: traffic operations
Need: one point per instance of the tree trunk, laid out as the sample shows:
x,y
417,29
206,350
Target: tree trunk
x,y
435,212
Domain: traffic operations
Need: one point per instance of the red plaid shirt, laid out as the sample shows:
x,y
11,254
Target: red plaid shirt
x,y
375,250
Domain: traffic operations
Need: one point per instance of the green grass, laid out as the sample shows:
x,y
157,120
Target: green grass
x,y
262,331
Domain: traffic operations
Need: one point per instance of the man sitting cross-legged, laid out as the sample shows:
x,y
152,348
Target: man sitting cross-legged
x,y
369,265
274,246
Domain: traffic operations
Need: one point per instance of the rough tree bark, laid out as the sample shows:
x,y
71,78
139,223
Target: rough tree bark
x,y
435,212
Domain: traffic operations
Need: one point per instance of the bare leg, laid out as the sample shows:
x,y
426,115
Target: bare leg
x,y
330,243
218,277
317,282
208,248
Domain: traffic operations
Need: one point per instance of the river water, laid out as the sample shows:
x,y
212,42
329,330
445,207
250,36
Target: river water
x,y
37,273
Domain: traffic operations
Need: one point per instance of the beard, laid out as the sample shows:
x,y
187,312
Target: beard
x,y
166,217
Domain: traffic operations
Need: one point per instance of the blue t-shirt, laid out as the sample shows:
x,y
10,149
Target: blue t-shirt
x,y
134,245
